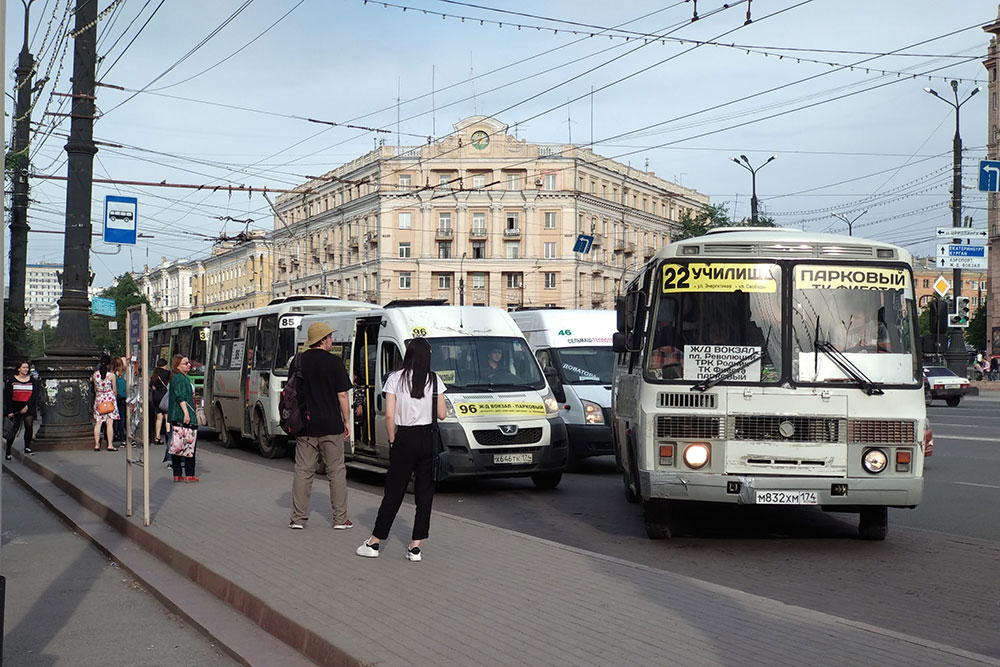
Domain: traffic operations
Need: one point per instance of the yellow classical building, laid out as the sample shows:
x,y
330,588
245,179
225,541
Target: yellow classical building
x,y
236,276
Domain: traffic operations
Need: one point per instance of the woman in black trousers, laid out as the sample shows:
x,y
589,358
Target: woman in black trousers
x,y
408,404
20,404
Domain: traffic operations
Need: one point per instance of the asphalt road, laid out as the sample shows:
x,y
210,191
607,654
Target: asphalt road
x,y
68,605
935,575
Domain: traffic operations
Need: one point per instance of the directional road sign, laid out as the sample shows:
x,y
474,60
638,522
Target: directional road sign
x,y
989,176
120,218
961,233
102,306
958,256
583,243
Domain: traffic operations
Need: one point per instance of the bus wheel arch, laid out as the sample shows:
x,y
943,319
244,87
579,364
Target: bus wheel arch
x,y
226,437
630,470
269,446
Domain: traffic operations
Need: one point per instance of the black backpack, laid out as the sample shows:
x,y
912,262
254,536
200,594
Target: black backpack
x,y
291,409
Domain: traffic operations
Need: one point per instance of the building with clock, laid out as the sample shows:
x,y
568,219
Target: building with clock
x,y
480,217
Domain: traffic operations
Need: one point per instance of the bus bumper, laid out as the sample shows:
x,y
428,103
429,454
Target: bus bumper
x,y
590,440
741,489
462,461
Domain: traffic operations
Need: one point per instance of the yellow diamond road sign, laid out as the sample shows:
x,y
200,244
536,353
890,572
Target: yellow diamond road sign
x,y
941,286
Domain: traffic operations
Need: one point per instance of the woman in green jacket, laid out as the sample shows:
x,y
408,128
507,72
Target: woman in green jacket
x,y
184,422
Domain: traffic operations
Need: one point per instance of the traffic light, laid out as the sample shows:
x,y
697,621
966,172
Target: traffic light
x,y
939,319
961,316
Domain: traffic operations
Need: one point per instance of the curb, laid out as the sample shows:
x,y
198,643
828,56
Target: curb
x,y
241,645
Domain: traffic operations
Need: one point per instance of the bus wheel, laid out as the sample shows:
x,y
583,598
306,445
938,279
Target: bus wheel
x,y
546,480
659,518
226,438
874,523
270,446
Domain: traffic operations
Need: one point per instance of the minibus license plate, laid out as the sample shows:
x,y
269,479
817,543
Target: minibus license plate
x,y
512,458
786,498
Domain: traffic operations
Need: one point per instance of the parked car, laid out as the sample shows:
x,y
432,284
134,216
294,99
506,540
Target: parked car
x,y
942,384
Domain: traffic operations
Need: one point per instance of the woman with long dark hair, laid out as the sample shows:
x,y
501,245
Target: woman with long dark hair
x,y
20,404
105,403
159,382
408,405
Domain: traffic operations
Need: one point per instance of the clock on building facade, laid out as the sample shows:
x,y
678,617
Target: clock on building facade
x,y
480,139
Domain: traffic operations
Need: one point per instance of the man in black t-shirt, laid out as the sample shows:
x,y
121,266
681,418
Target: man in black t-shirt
x,y
324,396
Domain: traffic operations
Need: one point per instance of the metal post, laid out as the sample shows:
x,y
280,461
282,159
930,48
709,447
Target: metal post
x,y
744,162
461,281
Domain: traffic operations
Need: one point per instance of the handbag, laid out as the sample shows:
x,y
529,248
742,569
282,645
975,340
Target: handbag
x,y
439,463
105,407
183,440
164,404
10,427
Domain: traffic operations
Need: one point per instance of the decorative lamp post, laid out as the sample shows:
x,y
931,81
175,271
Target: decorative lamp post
x,y
745,163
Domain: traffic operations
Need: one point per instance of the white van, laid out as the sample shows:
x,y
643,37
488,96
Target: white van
x,y
573,348
502,422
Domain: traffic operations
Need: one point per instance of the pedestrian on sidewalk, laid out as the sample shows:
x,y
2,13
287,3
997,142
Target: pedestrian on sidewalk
x,y
408,404
20,404
325,385
121,393
158,384
183,421
105,403
994,368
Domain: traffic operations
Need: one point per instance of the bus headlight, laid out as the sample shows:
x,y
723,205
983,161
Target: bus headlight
x,y
697,455
874,460
551,405
592,412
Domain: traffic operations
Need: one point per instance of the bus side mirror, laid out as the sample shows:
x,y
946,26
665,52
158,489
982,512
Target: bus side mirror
x,y
620,320
618,342
555,384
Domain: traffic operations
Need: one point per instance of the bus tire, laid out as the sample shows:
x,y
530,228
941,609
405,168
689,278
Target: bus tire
x,y
630,477
873,523
953,401
226,437
658,515
546,480
269,446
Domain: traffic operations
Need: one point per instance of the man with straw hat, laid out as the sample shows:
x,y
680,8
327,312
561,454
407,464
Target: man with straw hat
x,y
327,413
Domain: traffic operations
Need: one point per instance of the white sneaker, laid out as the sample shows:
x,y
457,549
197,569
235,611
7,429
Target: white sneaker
x,y
347,525
294,525
368,550
413,555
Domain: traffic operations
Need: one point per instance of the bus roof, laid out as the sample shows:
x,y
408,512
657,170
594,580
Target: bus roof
x,y
429,321
777,242
566,328
298,306
199,320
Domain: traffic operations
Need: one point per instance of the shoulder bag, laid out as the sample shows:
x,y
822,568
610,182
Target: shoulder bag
x,y
439,463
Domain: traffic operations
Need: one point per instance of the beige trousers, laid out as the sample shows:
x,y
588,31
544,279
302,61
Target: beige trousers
x,y
308,450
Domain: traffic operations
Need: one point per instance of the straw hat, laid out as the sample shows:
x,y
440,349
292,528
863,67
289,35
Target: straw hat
x,y
317,332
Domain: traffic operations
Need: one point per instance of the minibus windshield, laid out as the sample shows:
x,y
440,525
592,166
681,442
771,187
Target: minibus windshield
x,y
485,363
584,365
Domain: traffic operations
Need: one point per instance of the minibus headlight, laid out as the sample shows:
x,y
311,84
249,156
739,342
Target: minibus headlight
x,y
697,455
592,413
551,405
874,460
449,408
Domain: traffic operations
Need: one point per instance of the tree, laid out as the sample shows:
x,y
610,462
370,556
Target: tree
x,y
924,322
975,335
709,217
126,293
38,339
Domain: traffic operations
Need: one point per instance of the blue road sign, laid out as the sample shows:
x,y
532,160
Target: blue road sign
x,y
956,250
583,243
989,176
102,306
120,218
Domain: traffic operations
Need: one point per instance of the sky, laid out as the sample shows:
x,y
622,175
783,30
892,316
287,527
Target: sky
x,y
219,93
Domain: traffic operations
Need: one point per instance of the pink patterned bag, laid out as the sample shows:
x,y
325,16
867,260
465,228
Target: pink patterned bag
x,y
182,440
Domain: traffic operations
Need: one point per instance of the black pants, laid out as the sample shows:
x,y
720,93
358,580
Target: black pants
x,y
176,460
29,427
119,427
411,454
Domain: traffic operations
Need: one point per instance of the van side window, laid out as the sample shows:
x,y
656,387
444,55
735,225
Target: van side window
x,y
544,359
391,358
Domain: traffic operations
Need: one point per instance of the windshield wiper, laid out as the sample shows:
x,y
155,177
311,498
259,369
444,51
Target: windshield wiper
x,y
863,381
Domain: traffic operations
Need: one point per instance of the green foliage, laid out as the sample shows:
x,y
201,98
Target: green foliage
x,y
975,335
709,217
924,322
38,339
126,293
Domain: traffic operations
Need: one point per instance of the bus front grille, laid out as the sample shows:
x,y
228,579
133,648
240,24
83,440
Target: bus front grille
x,y
690,399
882,431
786,429
689,427
494,438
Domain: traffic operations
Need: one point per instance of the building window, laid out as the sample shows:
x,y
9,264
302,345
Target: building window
x,y
549,250
550,280
513,280
444,250
444,180
444,222
404,250
513,181
512,221
444,281
478,281
593,187
404,280
513,250
479,180
404,181
550,181
479,223
405,220
550,220
479,250
927,282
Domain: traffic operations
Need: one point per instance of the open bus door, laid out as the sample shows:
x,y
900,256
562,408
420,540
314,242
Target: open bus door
x,y
365,378
248,393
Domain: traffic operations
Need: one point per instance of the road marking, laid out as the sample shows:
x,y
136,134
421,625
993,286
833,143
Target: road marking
x,y
937,423
962,437
985,486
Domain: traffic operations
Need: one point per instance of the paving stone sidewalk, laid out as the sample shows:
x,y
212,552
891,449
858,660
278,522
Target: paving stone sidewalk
x,y
482,595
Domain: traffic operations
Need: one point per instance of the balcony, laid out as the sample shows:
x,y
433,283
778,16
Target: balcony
x,y
619,245
649,251
477,233
512,233
371,238
352,296
629,248
443,233
353,241
598,239
370,295
597,296
597,269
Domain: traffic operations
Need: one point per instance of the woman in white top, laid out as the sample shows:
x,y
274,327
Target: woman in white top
x,y
408,404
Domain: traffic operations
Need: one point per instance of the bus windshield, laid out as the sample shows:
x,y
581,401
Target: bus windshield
x,y
485,364
199,349
584,365
865,312
711,317
285,350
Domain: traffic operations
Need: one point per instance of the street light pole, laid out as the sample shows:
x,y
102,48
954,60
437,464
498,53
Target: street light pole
x,y
956,356
850,223
461,281
745,163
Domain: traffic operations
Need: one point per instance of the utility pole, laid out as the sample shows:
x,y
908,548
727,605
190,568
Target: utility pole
x,y
15,340
745,163
956,356
72,355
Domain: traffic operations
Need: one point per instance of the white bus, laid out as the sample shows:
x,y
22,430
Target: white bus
x,y
770,366
501,422
248,366
573,348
